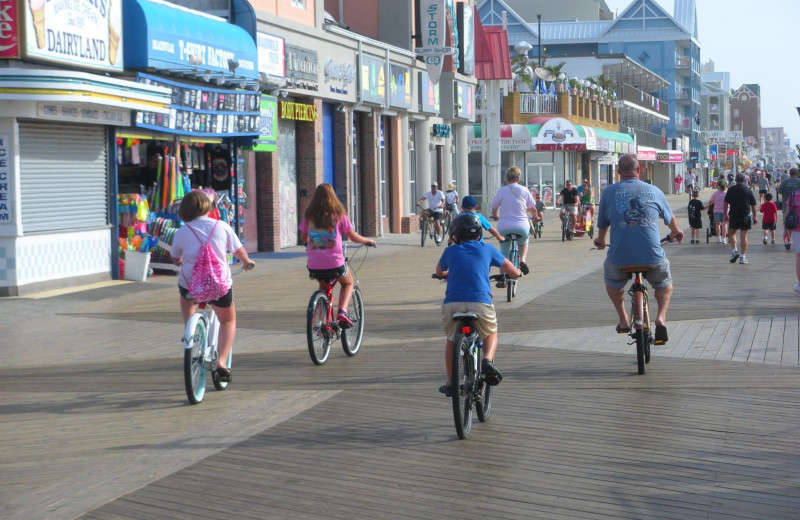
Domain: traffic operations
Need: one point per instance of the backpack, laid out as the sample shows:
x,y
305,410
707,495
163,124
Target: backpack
x,y
790,222
210,276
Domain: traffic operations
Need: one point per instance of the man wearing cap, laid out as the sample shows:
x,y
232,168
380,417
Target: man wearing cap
x,y
435,200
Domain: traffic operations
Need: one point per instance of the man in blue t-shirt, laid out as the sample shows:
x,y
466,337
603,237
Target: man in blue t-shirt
x,y
631,208
466,265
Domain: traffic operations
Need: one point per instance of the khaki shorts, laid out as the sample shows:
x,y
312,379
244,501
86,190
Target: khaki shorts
x,y
486,324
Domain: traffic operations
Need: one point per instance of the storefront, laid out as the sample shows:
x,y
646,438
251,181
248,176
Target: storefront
x,y
554,150
214,110
56,133
658,167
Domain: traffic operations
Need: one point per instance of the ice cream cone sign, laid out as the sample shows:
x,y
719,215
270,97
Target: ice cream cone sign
x,y
37,13
114,26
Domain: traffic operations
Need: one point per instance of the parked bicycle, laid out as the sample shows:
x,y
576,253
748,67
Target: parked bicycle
x,y
470,389
200,350
321,327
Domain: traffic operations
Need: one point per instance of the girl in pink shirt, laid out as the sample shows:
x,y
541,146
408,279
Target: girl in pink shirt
x,y
718,200
322,228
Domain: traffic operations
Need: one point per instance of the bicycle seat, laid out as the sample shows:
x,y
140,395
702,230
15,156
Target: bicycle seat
x,y
513,236
465,316
636,269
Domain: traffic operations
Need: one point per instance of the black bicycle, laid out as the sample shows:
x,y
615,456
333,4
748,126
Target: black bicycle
x,y
468,388
513,257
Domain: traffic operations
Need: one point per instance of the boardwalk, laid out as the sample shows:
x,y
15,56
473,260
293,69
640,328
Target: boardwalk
x,y
96,425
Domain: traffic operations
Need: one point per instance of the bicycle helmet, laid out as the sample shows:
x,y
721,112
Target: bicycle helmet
x,y
466,226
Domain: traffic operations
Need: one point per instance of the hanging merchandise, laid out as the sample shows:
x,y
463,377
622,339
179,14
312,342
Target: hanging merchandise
x,y
220,169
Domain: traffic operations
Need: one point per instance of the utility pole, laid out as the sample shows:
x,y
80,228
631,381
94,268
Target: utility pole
x,y
539,18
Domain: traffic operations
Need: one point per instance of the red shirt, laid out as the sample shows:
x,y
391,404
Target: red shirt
x,y
770,211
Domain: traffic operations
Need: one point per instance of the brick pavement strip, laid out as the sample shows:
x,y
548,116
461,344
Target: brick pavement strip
x,y
92,386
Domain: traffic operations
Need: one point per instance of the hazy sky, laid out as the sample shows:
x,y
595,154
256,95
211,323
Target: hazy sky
x,y
756,42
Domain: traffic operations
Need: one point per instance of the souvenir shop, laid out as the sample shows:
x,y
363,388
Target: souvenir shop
x,y
197,146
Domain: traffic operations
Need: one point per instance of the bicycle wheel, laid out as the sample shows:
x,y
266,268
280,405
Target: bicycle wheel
x,y
318,332
424,232
511,289
648,331
463,379
639,333
220,385
448,219
194,373
351,338
484,407
563,231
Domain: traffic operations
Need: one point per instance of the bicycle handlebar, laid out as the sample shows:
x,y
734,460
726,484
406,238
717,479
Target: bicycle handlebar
x,y
494,277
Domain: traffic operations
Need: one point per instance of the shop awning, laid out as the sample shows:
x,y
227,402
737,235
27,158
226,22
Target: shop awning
x,y
513,138
167,37
57,92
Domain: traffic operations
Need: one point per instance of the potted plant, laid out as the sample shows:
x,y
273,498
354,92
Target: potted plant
x,y
573,86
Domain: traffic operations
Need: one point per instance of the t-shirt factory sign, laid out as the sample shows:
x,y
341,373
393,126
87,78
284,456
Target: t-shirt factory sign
x,y
87,34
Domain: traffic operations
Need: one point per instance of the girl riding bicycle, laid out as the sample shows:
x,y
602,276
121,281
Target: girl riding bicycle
x,y
322,228
186,245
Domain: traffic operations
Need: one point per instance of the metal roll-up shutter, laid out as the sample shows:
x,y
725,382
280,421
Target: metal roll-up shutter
x,y
63,176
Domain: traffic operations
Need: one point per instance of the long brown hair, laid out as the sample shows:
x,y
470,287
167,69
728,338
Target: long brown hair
x,y
324,210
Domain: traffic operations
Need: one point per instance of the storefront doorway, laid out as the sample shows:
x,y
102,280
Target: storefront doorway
x,y
540,179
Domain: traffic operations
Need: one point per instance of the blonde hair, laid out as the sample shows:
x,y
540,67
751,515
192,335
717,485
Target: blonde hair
x,y
513,173
324,210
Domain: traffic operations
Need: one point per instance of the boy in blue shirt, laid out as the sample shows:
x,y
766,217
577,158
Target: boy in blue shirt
x,y
466,265
469,204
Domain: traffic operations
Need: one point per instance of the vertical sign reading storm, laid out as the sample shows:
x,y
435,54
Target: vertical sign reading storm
x,y
433,29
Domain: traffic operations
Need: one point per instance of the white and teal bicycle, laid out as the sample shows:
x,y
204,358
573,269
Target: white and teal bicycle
x,y
200,351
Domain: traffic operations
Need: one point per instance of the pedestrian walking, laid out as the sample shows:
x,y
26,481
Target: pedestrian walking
x,y
690,180
740,211
695,214
787,188
678,181
717,200
770,218
763,186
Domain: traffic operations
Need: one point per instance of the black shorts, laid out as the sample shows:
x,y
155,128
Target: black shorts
x,y
762,191
224,302
437,215
771,225
328,274
696,223
743,223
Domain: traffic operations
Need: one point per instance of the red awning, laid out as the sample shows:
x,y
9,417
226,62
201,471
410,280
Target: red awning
x,y
492,61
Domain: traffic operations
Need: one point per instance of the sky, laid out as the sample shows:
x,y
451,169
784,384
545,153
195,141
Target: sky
x,y
756,42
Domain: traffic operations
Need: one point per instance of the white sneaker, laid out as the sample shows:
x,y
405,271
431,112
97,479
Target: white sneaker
x,y
725,240
743,260
797,288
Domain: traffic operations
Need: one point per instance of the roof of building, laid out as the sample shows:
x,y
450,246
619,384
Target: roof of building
x,y
491,52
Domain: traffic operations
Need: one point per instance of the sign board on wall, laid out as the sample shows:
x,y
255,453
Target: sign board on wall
x,y
9,30
428,94
84,34
5,192
560,134
267,140
465,99
302,68
400,88
434,34
373,80
466,44
79,113
271,58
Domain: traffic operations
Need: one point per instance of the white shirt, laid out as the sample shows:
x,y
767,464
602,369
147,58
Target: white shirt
x,y
435,200
186,246
513,201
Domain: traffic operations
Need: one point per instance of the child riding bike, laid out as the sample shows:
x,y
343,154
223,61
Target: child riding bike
x,y
466,265
322,228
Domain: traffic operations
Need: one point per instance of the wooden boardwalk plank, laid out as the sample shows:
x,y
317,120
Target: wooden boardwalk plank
x,y
760,339
745,343
716,340
774,346
791,345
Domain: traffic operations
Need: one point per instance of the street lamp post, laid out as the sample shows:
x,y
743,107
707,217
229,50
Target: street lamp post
x,y
539,18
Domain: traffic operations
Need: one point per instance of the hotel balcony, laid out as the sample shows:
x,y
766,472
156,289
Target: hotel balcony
x,y
630,95
579,108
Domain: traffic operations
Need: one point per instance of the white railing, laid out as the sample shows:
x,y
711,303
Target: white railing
x,y
538,104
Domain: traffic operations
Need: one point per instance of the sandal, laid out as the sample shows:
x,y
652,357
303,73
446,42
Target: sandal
x,y
224,375
626,330
446,390
661,334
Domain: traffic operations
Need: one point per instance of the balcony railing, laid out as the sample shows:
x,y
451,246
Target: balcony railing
x,y
538,104
642,99
683,62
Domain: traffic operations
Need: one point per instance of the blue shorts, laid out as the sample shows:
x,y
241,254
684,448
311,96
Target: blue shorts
x,y
659,277
522,240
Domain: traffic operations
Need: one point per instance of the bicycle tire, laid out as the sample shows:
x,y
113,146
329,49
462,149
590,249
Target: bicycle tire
x,y
448,219
318,333
221,385
351,338
194,373
463,378
424,233
648,335
511,284
484,407
637,308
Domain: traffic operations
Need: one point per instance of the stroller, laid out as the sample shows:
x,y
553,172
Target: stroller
x,y
711,231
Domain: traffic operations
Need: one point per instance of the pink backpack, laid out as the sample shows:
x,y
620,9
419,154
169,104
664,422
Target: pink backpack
x,y
210,276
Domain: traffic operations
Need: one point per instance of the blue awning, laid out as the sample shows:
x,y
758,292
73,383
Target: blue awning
x,y
164,36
